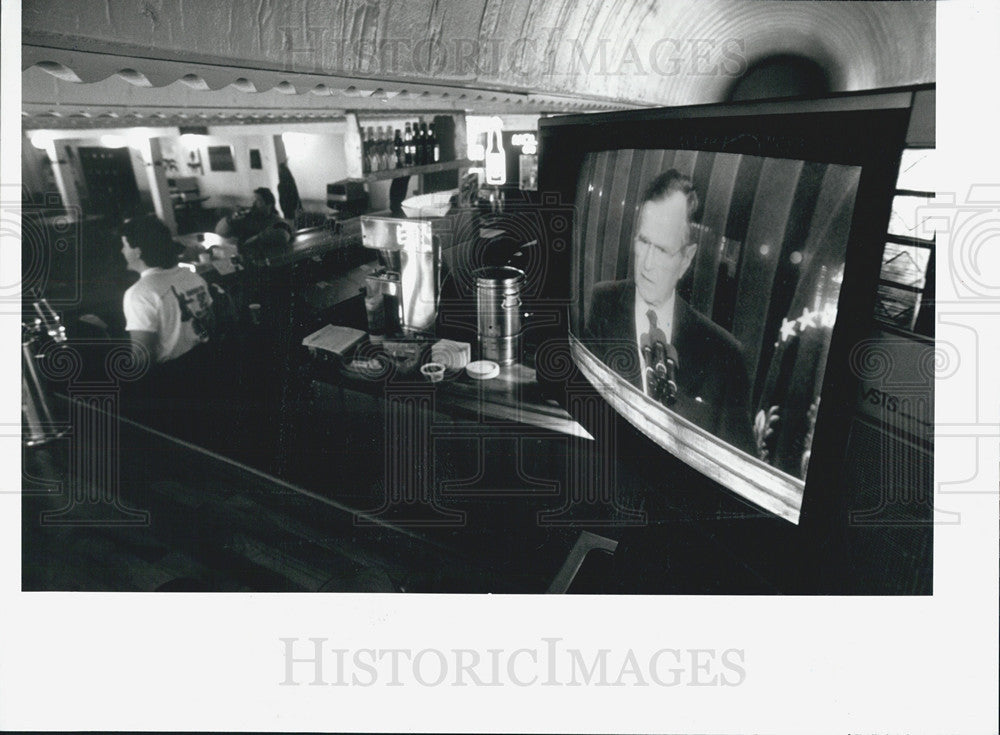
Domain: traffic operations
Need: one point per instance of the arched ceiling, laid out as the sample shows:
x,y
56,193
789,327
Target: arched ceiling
x,y
324,56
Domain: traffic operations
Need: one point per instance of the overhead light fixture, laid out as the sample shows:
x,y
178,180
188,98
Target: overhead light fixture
x,y
113,141
139,137
41,139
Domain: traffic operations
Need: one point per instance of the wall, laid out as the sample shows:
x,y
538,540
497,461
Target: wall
x,y
139,168
36,172
62,144
230,189
315,160
315,153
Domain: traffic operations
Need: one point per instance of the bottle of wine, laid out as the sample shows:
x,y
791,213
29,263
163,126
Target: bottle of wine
x,y
366,150
408,146
434,145
388,157
426,137
372,152
390,148
384,148
397,149
418,144
383,144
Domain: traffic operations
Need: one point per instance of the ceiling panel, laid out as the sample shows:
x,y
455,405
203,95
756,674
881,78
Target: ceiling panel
x,y
481,55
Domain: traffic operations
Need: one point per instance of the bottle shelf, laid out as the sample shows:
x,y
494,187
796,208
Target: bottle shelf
x,y
428,168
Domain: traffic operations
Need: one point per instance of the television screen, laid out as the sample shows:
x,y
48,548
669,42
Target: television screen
x,y
704,295
722,270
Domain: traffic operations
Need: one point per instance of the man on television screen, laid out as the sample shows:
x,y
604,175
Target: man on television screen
x,y
649,335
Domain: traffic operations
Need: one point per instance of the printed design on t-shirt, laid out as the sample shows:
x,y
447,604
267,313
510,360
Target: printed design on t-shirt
x,y
195,309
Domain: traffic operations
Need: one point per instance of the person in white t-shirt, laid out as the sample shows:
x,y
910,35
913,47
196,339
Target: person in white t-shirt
x,y
168,310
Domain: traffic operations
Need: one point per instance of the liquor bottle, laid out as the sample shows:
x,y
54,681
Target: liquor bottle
x,y
496,161
408,146
418,145
383,148
373,153
434,145
397,148
385,143
426,138
366,150
376,144
390,150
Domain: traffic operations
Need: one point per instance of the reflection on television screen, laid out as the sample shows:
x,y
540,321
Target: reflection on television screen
x,y
705,290
911,217
919,170
897,306
905,265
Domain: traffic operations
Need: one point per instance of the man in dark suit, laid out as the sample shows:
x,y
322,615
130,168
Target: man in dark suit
x,y
708,370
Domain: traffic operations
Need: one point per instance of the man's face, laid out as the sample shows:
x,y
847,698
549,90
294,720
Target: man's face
x,y
259,205
131,255
662,251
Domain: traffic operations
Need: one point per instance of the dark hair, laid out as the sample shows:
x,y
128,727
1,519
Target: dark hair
x,y
666,184
264,193
153,239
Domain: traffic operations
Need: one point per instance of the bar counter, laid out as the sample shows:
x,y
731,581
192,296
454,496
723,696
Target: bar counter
x,y
473,475
172,516
287,475
315,242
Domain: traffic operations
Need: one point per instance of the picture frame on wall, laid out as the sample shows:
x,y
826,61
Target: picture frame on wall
x,y
220,158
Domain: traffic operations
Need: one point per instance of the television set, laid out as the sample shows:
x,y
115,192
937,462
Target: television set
x,y
722,268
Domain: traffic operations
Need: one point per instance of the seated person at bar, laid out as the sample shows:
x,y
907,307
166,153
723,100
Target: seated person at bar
x,y
654,339
168,310
258,226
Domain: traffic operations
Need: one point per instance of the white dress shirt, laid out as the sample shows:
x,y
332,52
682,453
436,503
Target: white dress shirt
x,y
664,321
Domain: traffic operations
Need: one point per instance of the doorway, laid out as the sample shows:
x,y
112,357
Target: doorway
x,y
110,179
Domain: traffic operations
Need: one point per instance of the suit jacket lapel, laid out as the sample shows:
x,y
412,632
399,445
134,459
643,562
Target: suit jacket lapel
x,y
691,367
626,312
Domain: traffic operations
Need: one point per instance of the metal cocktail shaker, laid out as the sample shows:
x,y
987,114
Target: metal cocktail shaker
x,y
498,308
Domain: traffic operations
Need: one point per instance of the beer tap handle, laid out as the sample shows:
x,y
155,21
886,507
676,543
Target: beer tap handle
x,y
50,320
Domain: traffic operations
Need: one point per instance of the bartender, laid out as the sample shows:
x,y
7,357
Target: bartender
x,y
167,311
169,318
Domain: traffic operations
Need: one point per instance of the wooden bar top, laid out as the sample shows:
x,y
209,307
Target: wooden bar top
x,y
513,396
314,241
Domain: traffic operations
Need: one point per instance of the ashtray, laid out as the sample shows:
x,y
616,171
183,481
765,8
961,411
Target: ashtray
x,y
482,369
374,367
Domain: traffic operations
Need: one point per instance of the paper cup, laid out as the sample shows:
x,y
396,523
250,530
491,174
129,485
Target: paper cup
x,y
433,371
